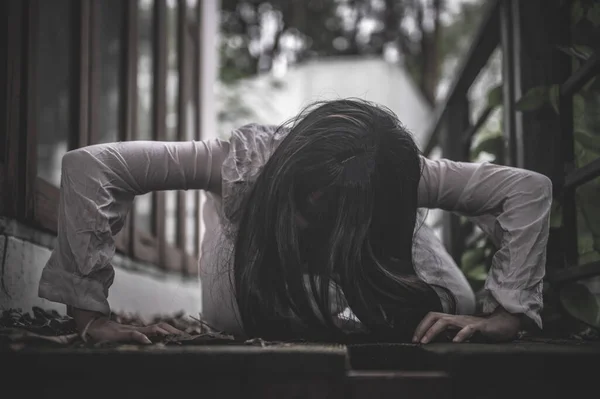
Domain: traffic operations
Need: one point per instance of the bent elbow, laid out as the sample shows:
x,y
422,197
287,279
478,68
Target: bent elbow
x,y
542,185
545,185
73,159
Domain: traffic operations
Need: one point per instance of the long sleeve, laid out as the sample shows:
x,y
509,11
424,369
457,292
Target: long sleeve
x,y
98,185
512,206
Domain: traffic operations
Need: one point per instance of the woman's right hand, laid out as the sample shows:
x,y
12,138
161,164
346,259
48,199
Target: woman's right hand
x,y
100,328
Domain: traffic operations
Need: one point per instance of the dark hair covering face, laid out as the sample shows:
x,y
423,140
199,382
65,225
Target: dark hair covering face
x,y
350,171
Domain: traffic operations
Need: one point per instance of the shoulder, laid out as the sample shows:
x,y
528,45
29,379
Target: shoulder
x,y
250,147
255,136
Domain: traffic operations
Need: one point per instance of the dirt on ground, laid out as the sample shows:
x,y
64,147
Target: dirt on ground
x,y
51,329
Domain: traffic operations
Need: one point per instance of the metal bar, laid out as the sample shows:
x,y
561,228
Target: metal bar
x,y
507,39
485,42
575,273
581,76
472,131
457,120
539,25
569,206
467,137
583,175
183,59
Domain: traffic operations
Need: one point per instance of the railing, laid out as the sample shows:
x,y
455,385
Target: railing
x,y
485,42
574,177
451,128
509,24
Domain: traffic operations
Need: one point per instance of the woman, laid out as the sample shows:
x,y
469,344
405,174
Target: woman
x,y
305,221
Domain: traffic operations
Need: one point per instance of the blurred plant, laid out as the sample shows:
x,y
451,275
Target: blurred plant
x,y
259,36
479,250
232,107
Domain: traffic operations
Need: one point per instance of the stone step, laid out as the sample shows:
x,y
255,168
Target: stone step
x,y
369,371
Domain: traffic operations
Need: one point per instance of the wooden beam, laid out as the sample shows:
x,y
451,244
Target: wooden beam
x,y
456,120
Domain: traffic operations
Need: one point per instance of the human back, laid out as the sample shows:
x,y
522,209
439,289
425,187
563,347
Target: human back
x,y
336,203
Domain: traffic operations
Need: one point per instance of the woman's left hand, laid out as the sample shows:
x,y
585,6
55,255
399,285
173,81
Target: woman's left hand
x,y
498,326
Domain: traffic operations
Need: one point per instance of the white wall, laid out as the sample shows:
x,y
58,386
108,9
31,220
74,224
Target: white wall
x,y
371,79
144,291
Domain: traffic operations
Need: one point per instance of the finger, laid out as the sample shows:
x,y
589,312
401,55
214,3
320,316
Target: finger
x,y
465,333
439,326
161,331
425,324
138,337
170,329
154,330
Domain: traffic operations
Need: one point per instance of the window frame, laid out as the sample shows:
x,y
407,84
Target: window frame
x,y
34,201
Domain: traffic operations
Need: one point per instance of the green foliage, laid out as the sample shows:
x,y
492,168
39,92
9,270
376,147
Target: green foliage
x,y
586,124
578,51
577,12
477,257
577,299
593,14
534,99
491,142
304,29
494,97
476,261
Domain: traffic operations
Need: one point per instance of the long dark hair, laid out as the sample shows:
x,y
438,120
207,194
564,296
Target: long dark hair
x,y
349,171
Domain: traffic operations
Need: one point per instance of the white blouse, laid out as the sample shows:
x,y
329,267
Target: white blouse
x,y
99,183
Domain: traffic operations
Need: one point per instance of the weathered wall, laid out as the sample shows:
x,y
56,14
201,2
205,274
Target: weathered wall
x,y
138,288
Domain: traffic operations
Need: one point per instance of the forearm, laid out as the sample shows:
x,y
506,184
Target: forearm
x,y
98,185
512,206
83,317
